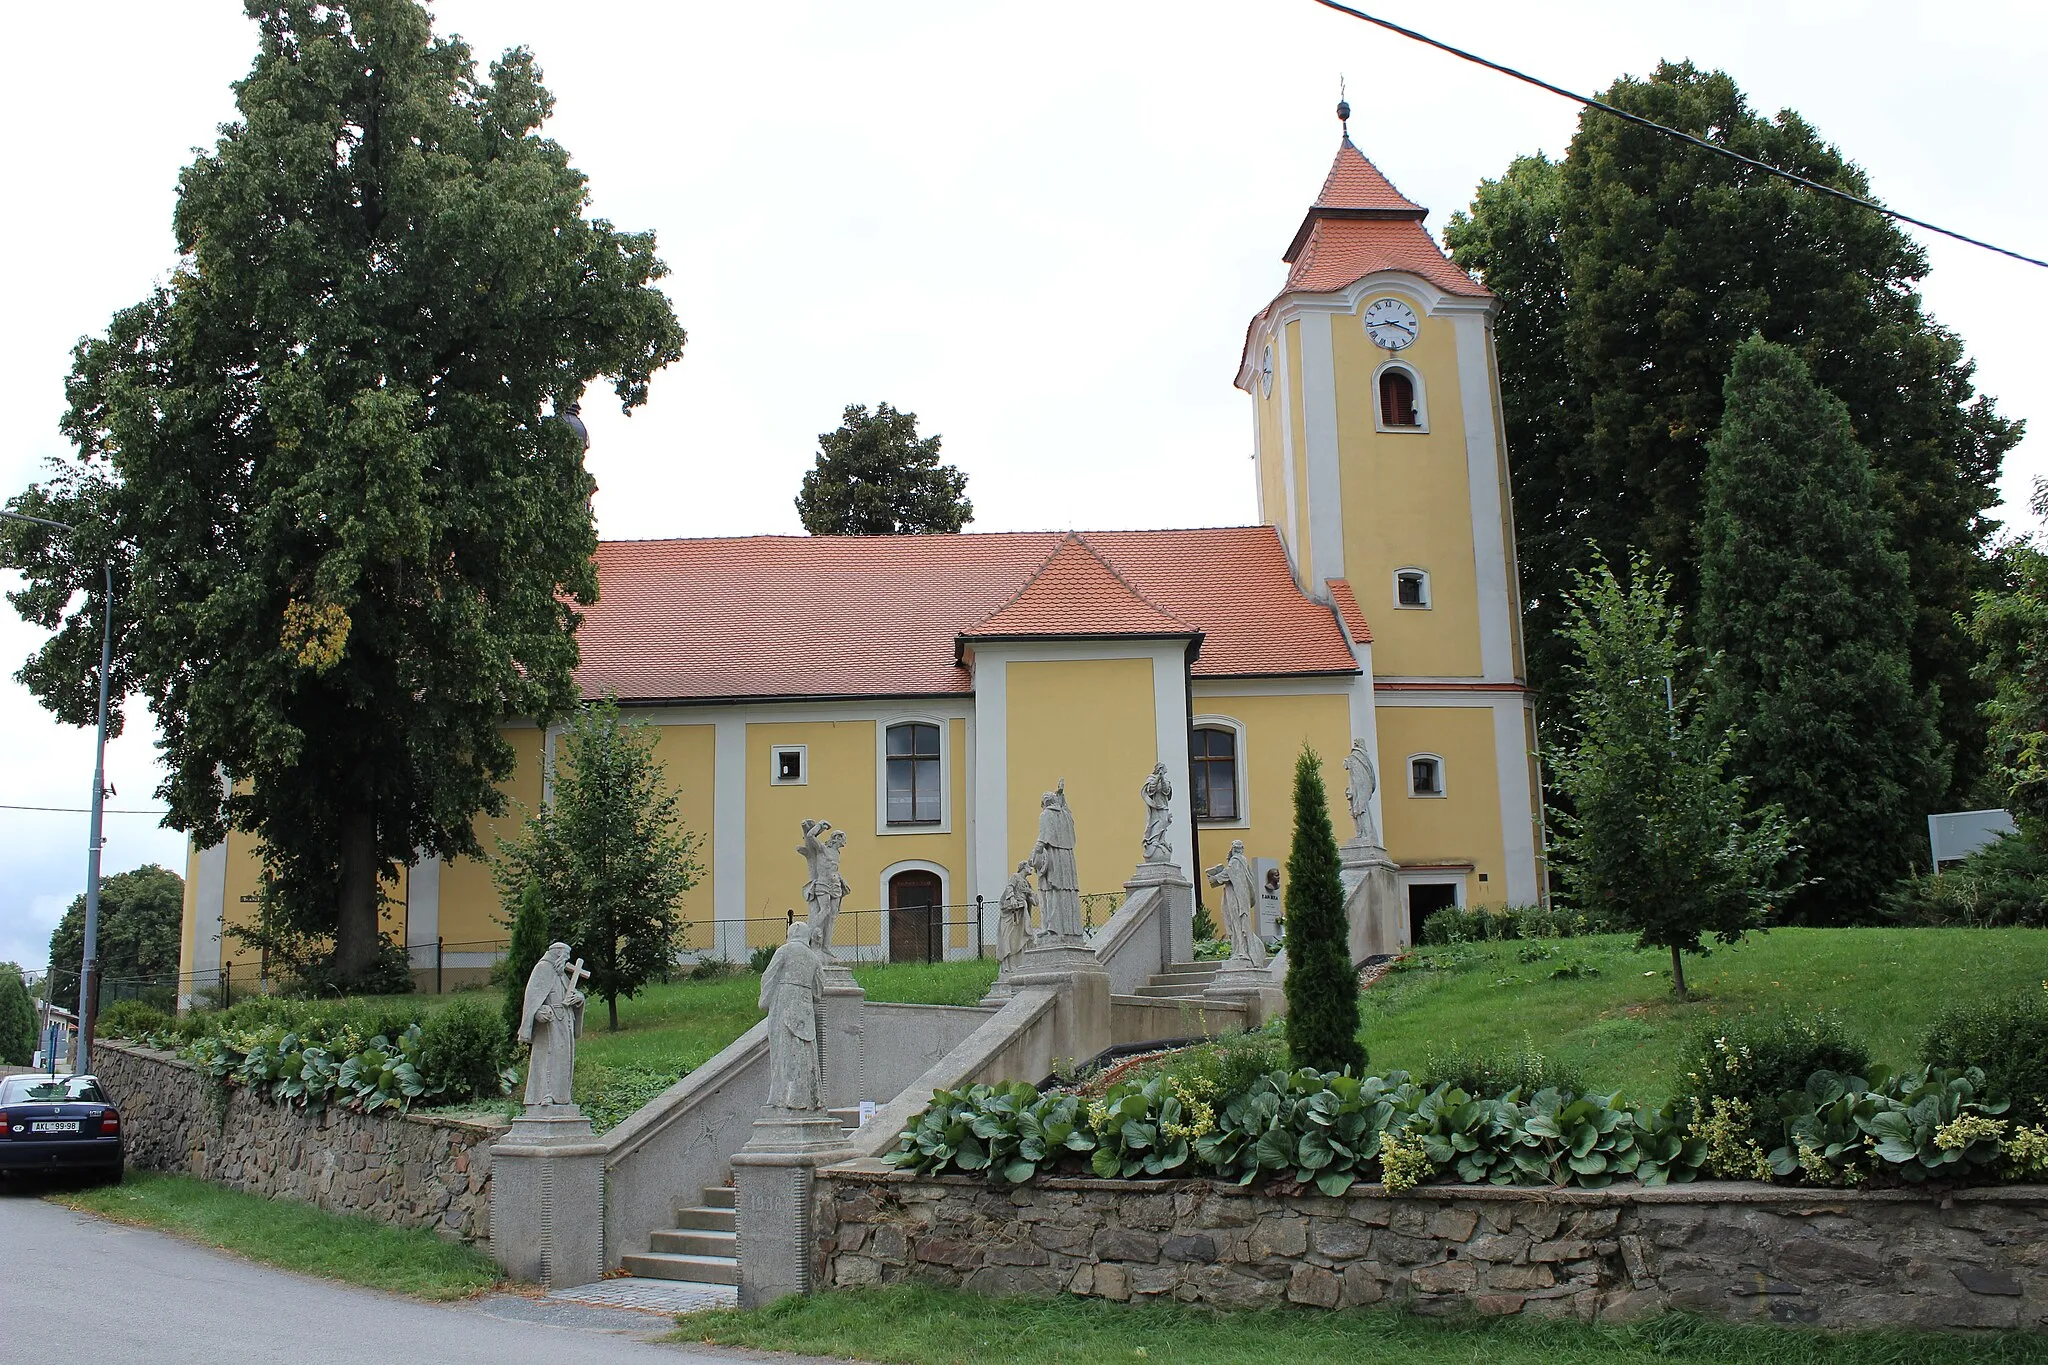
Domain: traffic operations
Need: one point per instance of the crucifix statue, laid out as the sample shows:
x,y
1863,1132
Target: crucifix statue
x,y
549,1020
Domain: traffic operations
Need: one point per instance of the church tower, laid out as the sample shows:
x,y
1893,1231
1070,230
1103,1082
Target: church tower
x,y
1381,462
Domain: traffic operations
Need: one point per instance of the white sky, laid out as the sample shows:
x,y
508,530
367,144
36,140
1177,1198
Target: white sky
x,y
1040,227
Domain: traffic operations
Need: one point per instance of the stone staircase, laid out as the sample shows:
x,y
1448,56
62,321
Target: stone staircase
x,y
1181,980
703,1247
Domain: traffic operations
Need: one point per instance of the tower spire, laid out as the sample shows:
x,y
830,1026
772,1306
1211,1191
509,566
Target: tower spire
x,y
1343,109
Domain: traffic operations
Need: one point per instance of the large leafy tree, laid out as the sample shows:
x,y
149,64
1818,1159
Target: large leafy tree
x,y
2011,624
1629,273
140,914
875,476
347,540
1659,837
608,854
1806,604
1322,985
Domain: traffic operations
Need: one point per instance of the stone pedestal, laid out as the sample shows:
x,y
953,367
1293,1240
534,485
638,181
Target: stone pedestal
x,y
1258,991
1372,900
772,1178
547,1198
1083,1026
1180,898
840,1011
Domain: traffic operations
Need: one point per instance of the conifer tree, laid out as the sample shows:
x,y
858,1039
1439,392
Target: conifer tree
x,y
17,1018
875,476
1322,986
530,940
1806,602
610,854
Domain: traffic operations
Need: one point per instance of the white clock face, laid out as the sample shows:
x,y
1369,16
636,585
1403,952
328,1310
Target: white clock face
x,y
1391,323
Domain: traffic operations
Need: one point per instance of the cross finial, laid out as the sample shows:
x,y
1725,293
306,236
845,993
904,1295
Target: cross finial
x,y
1343,108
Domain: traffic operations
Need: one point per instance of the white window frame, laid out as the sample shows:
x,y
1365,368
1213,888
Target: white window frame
x,y
945,899
883,724
1454,880
1421,427
1236,727
1427,602
803,765
1443,785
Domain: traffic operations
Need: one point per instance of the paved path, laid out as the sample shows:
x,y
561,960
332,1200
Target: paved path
x,y
130,1294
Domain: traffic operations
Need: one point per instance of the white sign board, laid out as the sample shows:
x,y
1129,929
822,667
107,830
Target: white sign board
x,y
1266,880
1958,834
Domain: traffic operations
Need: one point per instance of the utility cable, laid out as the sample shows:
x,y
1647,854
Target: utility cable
x,y
1682,136
84,810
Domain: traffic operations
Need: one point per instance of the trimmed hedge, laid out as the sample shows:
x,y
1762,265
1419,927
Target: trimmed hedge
x,y
2009,1039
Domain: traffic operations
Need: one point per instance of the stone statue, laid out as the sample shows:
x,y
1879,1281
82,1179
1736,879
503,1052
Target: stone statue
x,y
1234,875
825,888
1158,816
1013,930
790,990
1361,782
1052,858
549,1019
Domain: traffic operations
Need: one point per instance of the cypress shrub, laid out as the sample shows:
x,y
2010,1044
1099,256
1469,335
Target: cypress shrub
x,y
529,945
1322,988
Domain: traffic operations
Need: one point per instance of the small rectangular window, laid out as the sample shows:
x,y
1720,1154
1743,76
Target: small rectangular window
x,y
790,766
1411,588
1212,770
1427,776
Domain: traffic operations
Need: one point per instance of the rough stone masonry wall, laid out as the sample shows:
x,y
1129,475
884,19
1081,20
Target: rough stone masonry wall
x,y
411,1170
1969,1259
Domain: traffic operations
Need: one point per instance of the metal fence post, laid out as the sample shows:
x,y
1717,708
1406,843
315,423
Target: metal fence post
x,y
980,915
227,977
440,952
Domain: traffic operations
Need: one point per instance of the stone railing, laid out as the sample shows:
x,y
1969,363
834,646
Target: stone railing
x,y
1964,1259
413,1170
1018,1041
1152,930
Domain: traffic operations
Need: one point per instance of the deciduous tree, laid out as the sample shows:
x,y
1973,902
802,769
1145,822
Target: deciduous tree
x,y
348,541
1805,607
1658,837
609,855
2011,625
875,476
140,914
1630,271
1322,985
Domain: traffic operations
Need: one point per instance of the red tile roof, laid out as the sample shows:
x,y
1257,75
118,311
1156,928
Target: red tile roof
x,y
838,616
1355,183
1076,593
1346,603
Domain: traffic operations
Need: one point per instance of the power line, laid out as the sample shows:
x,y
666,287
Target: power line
x,y
1685,137
82,810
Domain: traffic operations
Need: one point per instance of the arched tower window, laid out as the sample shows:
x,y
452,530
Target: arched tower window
x,y
1397,399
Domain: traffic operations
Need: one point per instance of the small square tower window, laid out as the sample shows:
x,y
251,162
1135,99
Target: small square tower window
x,y
1425,775
792,766
1411,588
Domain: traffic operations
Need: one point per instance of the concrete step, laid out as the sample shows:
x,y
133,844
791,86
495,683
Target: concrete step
x,y
721,1197
663,1265
1187,969
696,1242
707,1219
1187,990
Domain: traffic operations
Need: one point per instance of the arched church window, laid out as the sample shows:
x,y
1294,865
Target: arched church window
x,y
1397,399
1212,769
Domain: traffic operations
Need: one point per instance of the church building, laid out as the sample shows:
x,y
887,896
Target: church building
x,y
922,692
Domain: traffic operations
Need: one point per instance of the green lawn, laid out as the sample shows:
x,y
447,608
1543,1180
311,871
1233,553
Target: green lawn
x,y
294,1236
1622,1028
938,1327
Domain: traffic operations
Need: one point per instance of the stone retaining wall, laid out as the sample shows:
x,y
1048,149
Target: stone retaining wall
x,y
412,1170
1964,1259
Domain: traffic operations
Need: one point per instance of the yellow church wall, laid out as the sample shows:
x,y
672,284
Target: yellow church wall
x,y
688,757
1298,532
841,788
1275,728
1464,824
1089,721
188,919
1272,478
469,897
1407,503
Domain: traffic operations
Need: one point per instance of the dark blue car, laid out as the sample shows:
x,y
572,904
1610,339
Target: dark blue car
x,y
59,1123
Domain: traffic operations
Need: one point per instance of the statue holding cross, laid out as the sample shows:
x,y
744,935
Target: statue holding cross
x,y
550,1020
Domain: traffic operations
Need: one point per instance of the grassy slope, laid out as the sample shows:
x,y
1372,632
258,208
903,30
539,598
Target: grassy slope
x,y
294,1236
937,1327
1624,1029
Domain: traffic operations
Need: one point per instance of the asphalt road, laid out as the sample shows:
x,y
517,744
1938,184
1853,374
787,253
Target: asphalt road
x,y
78,1284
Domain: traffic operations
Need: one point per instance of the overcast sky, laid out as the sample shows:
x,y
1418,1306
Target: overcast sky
x,y
1040,227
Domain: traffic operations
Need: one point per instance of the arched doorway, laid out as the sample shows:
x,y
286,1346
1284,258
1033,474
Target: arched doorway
x,y
916,917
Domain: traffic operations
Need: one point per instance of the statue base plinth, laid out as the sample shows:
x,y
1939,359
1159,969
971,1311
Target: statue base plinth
x,y
545,1125
1372,899
547,1198
1054,960
1251,987
772,1178
842,1006
1149,873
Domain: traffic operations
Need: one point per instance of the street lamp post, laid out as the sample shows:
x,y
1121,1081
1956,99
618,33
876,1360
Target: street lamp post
x,y
89,969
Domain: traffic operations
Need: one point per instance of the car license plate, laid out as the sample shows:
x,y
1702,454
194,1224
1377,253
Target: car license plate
x,y
54,1126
